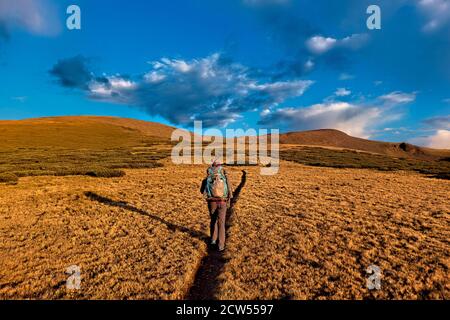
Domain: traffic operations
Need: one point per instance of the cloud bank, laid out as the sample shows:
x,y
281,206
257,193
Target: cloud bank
x,y
440,139
350,118
355,119
212,89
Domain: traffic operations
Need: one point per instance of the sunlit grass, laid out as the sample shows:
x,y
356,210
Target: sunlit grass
x,y
322,157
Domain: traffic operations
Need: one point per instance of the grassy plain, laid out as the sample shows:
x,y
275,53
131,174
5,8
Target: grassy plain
x,y
101,193
306,233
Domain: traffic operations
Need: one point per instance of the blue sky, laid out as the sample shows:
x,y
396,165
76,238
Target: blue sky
x,y
292,65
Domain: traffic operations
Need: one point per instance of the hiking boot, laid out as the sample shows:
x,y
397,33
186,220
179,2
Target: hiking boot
x,y
212,245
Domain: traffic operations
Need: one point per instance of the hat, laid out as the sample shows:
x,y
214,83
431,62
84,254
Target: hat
x,y
216,163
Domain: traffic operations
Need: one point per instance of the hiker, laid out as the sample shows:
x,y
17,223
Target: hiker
x,y
216,188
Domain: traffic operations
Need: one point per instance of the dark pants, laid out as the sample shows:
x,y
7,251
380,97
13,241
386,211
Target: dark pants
x,y
218,212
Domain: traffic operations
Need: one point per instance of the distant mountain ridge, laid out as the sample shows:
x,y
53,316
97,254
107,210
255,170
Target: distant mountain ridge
x,y
105,131
338,139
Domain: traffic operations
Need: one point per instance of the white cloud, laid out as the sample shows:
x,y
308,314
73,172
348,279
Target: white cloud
x,y
109,85
440,140
281,89
342,92
154,77
100,89
117,82
355,120
177,65
35,16
437,13
397,97
319,44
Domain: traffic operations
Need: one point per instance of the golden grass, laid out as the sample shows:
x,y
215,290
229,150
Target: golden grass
x,y
310,233
344,158
147,249
306,233
334,138
96,146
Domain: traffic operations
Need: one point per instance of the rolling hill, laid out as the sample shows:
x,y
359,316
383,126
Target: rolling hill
x,y
338,139
102,131
79,132
80,145
102,146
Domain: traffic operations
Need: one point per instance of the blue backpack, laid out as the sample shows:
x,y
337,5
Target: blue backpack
x,y
216,183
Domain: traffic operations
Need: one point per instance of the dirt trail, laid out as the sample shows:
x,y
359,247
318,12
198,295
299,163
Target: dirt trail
x,y
206,280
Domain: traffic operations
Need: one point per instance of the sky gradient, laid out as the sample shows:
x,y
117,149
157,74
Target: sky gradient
x,y
290,65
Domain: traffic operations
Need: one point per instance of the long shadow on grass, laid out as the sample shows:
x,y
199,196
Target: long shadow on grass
x,y
121,204
206,280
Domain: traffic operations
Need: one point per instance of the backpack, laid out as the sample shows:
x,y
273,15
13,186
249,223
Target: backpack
x,y
216,183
